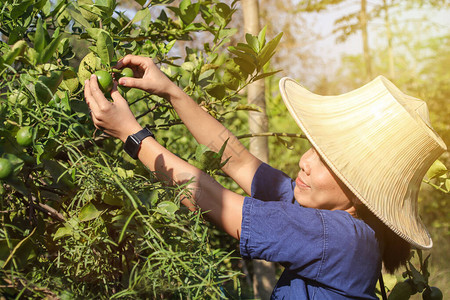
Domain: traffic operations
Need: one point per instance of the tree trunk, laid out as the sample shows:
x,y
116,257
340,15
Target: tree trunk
x,y
366,50
264,272
257,121
389,37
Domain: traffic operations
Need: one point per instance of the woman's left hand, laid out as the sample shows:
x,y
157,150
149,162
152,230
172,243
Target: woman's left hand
x,y
114,118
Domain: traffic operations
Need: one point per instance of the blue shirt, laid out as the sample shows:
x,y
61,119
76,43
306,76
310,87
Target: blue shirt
x,y
326,254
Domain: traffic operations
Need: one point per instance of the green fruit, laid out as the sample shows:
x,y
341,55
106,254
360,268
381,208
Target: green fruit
x,y
432,293
24,136
126,72
401,291
105,81
6,168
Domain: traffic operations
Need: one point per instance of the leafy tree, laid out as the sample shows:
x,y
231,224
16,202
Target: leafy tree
x,y
79,218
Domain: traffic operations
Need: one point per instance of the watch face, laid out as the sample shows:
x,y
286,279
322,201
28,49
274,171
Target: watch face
x,y
131,146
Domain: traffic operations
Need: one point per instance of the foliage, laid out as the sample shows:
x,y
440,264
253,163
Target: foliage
x,y
79,218
416,280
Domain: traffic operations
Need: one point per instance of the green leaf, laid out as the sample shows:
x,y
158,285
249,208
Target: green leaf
x,y
252,41
222,14
246,66
262,37
89,212
264,75
268,50
105,47
246,48
78,17
141,2
167,207
188,11
19,9
437,169
16,162
447,184
222,149
140,15
63,232
93,32
247,57
48,52
417,277
39,37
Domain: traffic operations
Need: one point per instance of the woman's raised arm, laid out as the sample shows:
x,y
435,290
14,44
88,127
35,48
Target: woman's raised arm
x,y
241,166
223,206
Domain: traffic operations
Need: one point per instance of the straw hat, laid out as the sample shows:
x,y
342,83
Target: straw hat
x,y
378,141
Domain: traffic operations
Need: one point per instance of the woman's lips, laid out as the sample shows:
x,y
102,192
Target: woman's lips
x,y
301,184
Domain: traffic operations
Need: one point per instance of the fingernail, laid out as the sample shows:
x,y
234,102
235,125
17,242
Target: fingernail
x,y
93,76
122,81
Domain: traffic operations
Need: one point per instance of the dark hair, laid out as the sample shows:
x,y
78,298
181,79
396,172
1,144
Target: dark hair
x,y
395,251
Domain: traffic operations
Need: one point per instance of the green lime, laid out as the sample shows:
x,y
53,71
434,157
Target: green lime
x,y
105,81
24,136
127,72
432,293
6,168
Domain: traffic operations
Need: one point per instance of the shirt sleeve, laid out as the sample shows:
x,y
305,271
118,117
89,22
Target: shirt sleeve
x,y
270,184
283,232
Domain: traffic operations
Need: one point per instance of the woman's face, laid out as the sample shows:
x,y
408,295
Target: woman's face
x,y
317,187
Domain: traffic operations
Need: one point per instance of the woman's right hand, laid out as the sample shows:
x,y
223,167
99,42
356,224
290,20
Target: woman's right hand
x,y
147,77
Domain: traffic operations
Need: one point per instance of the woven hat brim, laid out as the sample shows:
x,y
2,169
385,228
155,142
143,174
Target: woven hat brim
x,y
347,141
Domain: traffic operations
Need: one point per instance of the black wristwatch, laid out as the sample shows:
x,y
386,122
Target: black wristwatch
x,y
133,142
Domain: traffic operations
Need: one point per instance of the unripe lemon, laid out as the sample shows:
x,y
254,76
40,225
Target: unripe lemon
x,y
6,168
24,136
105,81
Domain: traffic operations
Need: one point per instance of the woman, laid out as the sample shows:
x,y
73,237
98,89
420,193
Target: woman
x,y
353,203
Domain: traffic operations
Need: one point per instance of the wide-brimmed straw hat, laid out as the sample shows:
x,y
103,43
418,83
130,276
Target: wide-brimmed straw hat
x,y
378,141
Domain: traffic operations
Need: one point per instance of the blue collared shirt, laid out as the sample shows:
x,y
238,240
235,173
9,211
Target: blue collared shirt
x,y
326,254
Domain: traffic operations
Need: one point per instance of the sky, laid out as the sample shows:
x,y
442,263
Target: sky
x,y
324,24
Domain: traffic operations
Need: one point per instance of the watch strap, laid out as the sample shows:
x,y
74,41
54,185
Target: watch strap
x,y
142,134
133,143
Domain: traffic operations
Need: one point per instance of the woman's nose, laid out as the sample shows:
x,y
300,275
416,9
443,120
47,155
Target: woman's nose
x,y
305,163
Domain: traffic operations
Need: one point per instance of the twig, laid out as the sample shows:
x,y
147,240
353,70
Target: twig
x,y
293,135
50,211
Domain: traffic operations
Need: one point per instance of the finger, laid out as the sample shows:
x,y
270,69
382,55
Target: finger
x,y
95,121
131,59
88,96
131,82
117,97
97,95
